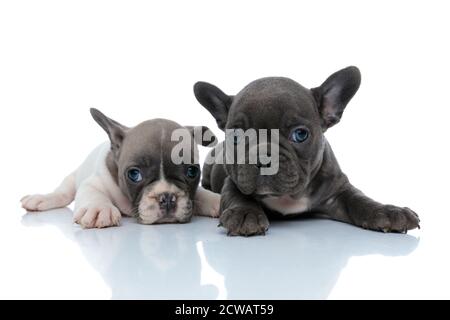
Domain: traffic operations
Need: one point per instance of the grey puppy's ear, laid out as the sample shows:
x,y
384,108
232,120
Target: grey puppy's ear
x,y
203,135
214,100
334,94
116,131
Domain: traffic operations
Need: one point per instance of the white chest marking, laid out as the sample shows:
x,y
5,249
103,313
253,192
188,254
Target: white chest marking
x,y
287,205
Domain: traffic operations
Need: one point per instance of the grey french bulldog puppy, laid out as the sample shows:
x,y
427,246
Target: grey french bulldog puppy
x,y
134,174
309,178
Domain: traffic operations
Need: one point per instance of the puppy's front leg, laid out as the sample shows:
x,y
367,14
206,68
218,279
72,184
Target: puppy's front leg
x,y
93,206
206,203
240,214
61,197
352,206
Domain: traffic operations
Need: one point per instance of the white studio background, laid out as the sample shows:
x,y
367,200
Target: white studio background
x,y
136,60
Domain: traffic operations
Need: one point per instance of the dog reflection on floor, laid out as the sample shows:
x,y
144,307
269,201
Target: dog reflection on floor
x,y
302,258
136,261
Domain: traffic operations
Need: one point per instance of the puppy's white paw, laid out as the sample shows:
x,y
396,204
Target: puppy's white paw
x,y
214,205
97,216
42,202
208,204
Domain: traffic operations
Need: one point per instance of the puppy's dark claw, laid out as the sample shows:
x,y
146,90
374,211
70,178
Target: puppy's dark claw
x,y
220,225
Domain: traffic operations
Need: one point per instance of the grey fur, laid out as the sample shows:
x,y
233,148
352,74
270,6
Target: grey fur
x,y
307,170
145,146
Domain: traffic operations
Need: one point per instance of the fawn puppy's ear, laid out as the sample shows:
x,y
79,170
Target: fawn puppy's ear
x,y
203,135
116,131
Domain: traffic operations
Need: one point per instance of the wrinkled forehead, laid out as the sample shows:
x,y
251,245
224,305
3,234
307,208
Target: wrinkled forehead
x,y
271,102
155,140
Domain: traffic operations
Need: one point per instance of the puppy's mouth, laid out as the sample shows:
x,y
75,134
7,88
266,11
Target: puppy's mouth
x,y
164,203
269,186
289,178
265,194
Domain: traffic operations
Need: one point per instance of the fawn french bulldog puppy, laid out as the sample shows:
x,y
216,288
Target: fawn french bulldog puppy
x,y
308,177
133,174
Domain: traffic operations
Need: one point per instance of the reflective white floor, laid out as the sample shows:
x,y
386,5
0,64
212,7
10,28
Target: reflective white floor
x,y
45,256
140,61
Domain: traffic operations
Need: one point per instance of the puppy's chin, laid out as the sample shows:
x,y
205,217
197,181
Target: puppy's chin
x,y
155,219
274,189
151,209
171,219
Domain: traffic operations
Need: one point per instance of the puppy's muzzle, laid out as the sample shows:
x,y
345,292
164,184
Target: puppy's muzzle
x,y
167,202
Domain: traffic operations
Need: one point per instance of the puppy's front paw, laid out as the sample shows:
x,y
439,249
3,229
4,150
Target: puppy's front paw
x,y
208,205
97,216
244,221
42,202
389,218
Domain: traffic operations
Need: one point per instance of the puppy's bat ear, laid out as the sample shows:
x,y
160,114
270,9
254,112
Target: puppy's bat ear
x,y
116,131
214,100
203,135
334,94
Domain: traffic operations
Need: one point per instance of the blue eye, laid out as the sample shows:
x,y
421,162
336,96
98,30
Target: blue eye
x,y
134,175
299,135
192,172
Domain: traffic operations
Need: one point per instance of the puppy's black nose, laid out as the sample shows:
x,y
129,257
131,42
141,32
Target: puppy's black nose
x,y
167,202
